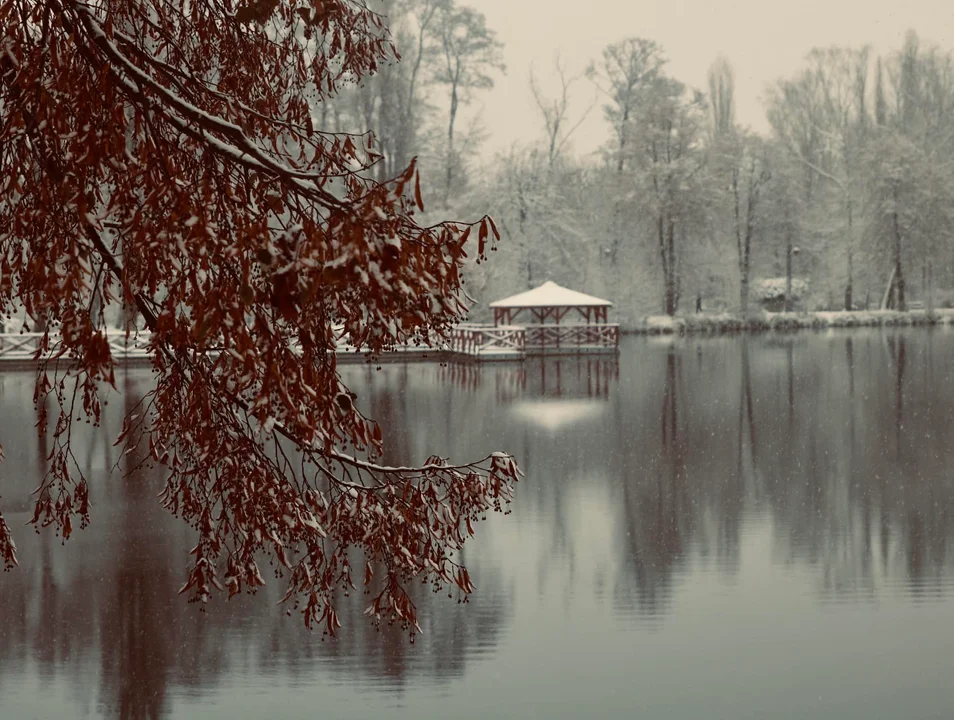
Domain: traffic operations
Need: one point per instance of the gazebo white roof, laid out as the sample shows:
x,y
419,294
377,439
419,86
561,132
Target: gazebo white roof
x,y
550,295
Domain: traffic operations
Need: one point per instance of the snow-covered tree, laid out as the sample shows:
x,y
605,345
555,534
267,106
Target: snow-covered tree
x,y
666,165
470,55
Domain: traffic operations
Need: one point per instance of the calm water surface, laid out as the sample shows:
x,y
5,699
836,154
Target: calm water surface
x,y
717,528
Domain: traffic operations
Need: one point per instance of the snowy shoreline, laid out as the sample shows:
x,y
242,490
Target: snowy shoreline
x,y
725,323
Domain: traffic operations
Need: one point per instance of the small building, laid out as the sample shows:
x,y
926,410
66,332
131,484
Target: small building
x,y
549,319
770,293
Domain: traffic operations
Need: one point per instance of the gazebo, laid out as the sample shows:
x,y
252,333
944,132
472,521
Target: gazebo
x,y
543,311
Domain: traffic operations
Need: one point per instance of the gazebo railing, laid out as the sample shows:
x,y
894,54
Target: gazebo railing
x,y
569,336
473,339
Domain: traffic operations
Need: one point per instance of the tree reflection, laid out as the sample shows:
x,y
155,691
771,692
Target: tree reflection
x,y
657,519
844,450
108,599
861,489
138,620
748,447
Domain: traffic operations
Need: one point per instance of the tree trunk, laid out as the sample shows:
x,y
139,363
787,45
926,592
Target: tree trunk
x,y
449,176
622,138
898,268
744,267
788,275
663,258
672,279
405,139
849,290
849,300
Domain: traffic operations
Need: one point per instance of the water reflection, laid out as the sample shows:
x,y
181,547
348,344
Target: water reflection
x,y
102,611
543,376
657,519
682,491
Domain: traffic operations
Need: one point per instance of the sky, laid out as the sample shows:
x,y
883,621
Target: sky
x,y
763,40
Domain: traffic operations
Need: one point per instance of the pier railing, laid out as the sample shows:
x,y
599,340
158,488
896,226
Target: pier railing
x,y
24,346
477,340
500,342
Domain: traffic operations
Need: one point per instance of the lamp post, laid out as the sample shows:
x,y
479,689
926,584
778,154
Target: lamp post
x,y
792,251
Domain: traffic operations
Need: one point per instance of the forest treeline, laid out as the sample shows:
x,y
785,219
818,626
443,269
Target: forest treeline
x,y
854,184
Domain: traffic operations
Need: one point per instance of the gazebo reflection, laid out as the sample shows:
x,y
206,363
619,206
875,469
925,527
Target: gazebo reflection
x,y
541,377
557,377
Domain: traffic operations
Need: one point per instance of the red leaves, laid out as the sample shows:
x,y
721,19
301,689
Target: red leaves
x,y
246,243
462,240
482,238
8,548
463,581
485,228
493,227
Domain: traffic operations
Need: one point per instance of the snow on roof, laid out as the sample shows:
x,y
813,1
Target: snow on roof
x,y
550,295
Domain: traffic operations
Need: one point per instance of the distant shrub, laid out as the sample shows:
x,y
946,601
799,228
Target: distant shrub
x,y
773,289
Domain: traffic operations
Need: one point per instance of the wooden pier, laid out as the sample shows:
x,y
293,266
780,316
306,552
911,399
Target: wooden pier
x,y
545,333
487,342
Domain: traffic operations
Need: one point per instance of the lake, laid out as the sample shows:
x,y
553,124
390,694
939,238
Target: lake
x,y
708,528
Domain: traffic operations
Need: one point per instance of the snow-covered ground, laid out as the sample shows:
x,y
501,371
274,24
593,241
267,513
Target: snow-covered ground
x,y
766,321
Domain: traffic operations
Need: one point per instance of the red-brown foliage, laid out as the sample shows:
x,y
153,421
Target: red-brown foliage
x,y
161,154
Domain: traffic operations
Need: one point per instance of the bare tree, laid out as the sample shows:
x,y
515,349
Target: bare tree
x,y
556,111
472,53
422,24
629,67
820,118
392,102
721,99
881,103
749,174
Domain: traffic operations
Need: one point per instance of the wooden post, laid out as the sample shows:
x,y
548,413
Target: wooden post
x,y
585,329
